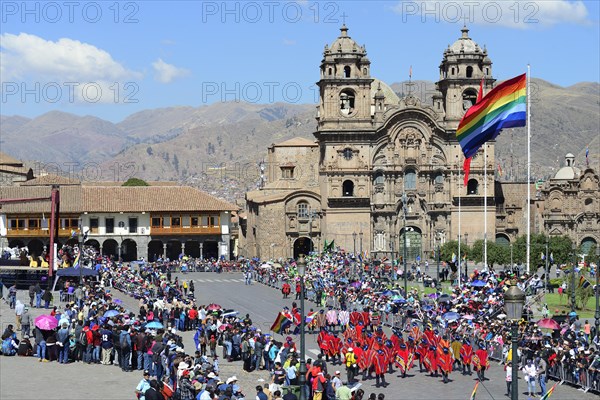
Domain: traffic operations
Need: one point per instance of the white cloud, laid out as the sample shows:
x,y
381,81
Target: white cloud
x,y
289,42
166,73
66,71
66,60
520,14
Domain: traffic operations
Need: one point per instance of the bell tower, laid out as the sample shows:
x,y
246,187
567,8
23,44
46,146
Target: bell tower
x,y
345,86
463,66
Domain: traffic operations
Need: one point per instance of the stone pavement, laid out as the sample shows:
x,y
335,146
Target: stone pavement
x,y
25,378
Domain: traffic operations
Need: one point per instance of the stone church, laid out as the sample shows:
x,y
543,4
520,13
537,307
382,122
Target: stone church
x,y
382,167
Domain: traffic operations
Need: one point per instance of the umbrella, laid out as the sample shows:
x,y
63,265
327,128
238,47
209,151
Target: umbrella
x,y
230,313
213,307
46,322
572,314
468,317
118,301
63,321
432,295
451,316
356,285
478,283
501,316
111,313
445,297
154,325
548,323
224,326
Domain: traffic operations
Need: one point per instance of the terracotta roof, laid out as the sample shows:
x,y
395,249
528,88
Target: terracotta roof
x,y
297,142
5,159
77,199
117,183
51,179
70,199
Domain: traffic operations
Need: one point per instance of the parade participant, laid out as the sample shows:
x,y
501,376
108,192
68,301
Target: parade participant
x,y
422,351
286,290
481,362
455,347
403,359
466,357
332,319
445,360
380,367
323,340
432,359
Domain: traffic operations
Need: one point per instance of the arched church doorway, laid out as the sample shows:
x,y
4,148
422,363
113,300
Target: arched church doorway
x,y
302,245
414,244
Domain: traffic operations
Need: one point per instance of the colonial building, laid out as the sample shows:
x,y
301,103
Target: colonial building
x,y
126,222
381,167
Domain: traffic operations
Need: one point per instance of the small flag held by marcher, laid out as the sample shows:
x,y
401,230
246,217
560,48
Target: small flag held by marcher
x,y
281,323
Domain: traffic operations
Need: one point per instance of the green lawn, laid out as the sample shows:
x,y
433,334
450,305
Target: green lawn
x,y
555,302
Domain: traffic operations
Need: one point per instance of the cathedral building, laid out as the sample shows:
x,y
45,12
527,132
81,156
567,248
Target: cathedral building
x,y
383,171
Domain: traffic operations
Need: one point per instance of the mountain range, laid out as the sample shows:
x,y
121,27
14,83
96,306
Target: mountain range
x,y
218,147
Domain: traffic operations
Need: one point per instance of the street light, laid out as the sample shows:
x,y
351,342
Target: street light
x,y
404,210
301,266
511,258
354,237
361,236
546,267
437,281
573,277
514,300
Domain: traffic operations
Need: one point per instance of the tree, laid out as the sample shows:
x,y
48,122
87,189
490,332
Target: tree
x,y
135,182
498,254
477,251
561,249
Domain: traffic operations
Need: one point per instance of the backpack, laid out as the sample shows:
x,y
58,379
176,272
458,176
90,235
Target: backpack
x,y
123,341
83,337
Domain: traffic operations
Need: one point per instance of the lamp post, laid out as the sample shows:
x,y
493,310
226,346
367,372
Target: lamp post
x,y
573,277
514,300
354,237
301,265
597,289
360,235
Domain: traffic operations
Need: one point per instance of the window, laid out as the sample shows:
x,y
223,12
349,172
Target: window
x,y
348,189
410,179
133,225
469,72
176,222
346,72
287,172
469,98
439,178
110,225
17,224
195,222
94,225
347,102
212,220
330,71
347,153
379,179
69,223
303,210
452,71
156,222
33,223
472,186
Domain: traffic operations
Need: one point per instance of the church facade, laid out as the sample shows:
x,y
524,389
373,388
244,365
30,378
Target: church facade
x,y
383,172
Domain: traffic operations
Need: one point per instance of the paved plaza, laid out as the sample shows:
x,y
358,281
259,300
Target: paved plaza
x,y
25,378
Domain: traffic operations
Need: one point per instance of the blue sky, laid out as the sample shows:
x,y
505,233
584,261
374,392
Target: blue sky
x,y
112,59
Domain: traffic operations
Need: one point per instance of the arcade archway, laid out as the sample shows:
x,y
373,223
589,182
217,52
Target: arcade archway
x,y
302,245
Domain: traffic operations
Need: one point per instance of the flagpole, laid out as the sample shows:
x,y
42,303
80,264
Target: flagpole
x,y
485,195
528,165
459,256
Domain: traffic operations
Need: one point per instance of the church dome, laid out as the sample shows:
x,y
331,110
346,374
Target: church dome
x,y
345,44
465,43
568,171
381,87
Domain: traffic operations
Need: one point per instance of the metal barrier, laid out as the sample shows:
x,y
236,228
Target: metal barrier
x,y
587,379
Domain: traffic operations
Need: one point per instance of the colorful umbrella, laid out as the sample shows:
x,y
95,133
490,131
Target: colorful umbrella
x,y
223,327
468,317
154,325
213,307
478,283
548,323
451,316
118,301
46,322
111,313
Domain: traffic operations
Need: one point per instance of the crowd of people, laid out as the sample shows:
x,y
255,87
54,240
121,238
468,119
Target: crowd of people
x,y
458,329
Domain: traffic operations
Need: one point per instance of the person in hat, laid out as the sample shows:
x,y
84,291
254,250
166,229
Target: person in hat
x,y
445,362
186,389
143,386
481,361
351,367
466,357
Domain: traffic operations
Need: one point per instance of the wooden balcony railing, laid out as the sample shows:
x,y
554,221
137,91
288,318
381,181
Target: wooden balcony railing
x,y
201,230
37,232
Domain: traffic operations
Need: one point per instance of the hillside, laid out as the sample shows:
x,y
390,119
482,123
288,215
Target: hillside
x,y
217,147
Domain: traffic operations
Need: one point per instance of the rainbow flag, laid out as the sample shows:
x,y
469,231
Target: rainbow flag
x,y
504,107
474,391
548,393
281,323
76,263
